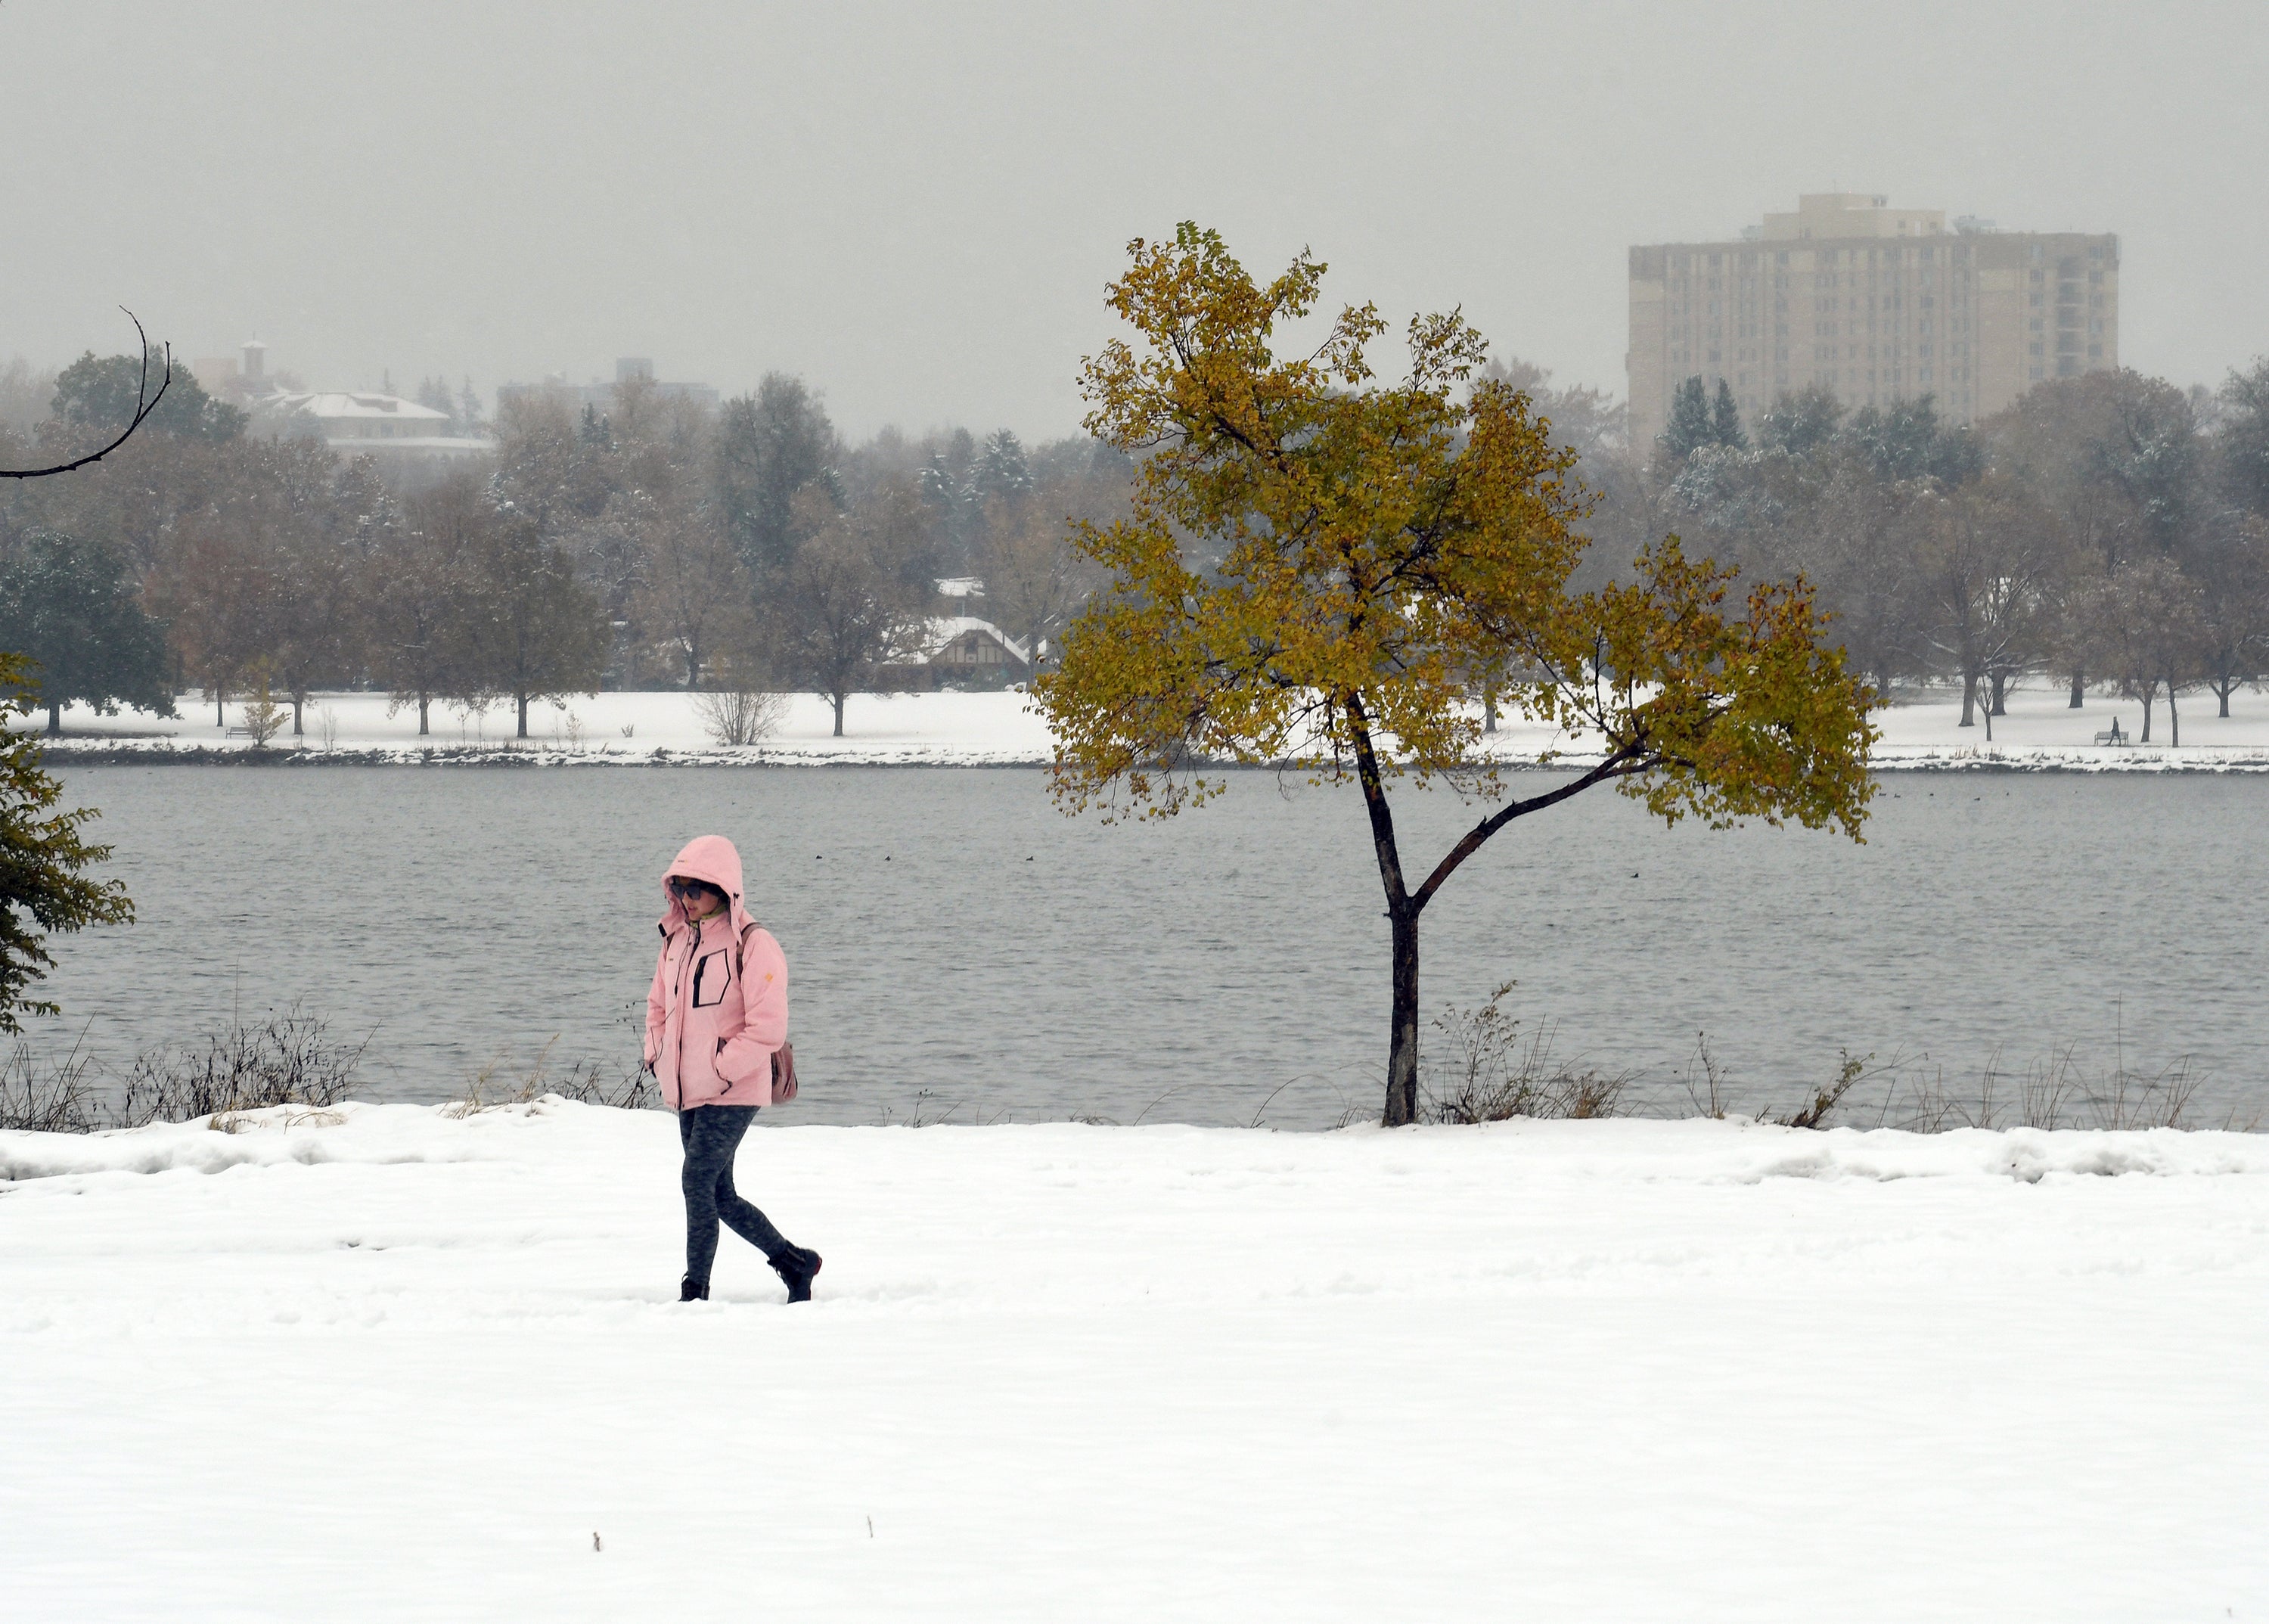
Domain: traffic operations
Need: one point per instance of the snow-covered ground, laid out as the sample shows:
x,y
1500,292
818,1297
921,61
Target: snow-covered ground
x,y
624,728
995,729
390,1364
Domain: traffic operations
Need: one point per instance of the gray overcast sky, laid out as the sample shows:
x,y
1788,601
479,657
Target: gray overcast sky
x,y
916,206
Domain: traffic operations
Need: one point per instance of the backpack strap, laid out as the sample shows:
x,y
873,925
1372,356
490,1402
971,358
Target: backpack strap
x,y
783,1081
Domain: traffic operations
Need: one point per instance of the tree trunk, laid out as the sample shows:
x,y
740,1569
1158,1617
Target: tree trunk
x,y
56,716
220,707
2076,689
522,701
424,701
1402,1047
2222,690
1489,711
838,700
2174,720
2000,694
1403,914
2146,714
1968,699
297,701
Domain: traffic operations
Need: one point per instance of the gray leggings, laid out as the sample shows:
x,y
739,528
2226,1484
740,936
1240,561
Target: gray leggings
x,y
712,1136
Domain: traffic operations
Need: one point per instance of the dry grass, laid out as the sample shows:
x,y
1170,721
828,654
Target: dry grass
x,y
288,1060
587,1083
1490,1073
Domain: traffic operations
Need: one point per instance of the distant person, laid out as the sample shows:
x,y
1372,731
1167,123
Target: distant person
x,y
715,1018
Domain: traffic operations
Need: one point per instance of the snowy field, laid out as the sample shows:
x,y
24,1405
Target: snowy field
x,y
994,729
389,1364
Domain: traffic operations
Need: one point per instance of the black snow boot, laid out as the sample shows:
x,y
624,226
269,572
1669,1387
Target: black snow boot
x,y
796,1266
691,1290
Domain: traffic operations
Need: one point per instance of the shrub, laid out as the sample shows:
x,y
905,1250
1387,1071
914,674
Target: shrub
x,y
736,717
287,1060
1492,1074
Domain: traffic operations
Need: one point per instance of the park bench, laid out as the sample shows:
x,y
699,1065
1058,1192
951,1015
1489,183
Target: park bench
x,y
2113,735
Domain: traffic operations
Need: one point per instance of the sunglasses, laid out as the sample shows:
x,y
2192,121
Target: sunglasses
x,y
691,887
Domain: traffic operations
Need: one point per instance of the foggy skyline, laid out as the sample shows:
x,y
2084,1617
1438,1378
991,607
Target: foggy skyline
x,y
917,208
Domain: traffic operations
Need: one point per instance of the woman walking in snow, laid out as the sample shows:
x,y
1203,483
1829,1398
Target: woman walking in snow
x,y
715,1018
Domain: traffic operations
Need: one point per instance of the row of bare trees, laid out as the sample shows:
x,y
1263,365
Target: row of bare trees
x,y
2109,531
654,543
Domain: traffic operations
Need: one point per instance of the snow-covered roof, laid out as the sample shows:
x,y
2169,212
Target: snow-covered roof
x,y
332,407
413,442
961,586
942,630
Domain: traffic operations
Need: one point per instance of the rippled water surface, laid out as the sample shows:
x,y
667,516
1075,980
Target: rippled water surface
x,y
955,942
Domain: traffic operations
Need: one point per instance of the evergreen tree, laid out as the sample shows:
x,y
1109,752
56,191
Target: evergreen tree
x,y
2245,436
1907,440
771,445
41,889
99,394
72,608
1726,420
1800,423
469,418
1001,473
1689,426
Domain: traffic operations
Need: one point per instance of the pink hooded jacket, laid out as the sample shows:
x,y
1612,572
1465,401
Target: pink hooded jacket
x,y
717,1009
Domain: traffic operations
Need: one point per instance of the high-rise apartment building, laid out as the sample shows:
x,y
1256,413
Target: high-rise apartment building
x,y
1877,303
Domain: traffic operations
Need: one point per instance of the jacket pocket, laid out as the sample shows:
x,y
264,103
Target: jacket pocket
x,y
711,972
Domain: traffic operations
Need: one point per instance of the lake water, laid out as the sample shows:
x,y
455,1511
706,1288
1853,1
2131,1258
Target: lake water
x,y
956,943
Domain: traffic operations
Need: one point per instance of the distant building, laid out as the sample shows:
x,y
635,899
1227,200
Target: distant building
x,y
961,648
1878,304
409,443
599,394
242,384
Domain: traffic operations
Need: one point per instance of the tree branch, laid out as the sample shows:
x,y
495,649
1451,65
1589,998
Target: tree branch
x,y
1623,764
144,403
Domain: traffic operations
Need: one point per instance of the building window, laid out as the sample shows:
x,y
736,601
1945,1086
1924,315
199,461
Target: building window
x,y
2036,347
2039,372
2096,353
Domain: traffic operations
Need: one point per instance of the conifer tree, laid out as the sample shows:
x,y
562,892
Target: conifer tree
x,y
1689,427
72,608
41,855
1726,420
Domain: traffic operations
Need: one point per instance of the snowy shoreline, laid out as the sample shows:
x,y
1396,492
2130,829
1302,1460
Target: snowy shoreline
x,y
116,752
379,1362
2040,734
